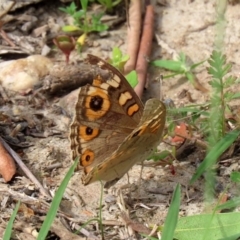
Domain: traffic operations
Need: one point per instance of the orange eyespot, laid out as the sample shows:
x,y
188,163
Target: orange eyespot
x,y
87,133
87,158
97,104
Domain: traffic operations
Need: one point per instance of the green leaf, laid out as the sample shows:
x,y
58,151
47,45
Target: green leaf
x,y
124,58
132,78
236,95
171,65
63,9
215,153
226,69
235,177
159,156
79,15
190,76
96,17
84,4
182,57
70,28
101,28
171,75
172,216
8,231
71,9
96,24
229,205
52,212
218,68
188,109
118,59
229,81
228,96
208,226
115,3
233,237
116,55
196,65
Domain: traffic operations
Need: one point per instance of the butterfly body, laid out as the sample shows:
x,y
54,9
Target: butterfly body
x,y
112,130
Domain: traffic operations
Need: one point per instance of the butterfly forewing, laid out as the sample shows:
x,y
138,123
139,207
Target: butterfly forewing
x,y
105,114
111,130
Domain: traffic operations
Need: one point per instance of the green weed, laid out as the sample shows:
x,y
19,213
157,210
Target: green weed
x,y
109,4
118,60
210,121
82,20
180,66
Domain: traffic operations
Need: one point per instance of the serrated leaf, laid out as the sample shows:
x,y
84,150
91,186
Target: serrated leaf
x,y
226,69
229,81
212,71
228,96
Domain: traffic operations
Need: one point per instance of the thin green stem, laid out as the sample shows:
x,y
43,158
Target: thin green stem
x,y
100,211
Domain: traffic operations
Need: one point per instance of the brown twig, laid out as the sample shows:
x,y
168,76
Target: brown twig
x,y
145,49
6,38
134,31
2,33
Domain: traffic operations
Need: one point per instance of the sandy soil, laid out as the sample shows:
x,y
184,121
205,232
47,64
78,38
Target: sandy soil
x,y
182,26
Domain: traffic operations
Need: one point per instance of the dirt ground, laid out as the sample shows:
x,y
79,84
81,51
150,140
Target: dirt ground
x,y
180,26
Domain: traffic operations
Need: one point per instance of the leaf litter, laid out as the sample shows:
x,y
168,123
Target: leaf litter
x,y
34,122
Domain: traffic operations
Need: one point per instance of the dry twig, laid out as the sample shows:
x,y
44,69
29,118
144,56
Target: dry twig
x,y
145,49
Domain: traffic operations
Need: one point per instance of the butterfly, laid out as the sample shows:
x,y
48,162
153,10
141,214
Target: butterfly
x,y
112,130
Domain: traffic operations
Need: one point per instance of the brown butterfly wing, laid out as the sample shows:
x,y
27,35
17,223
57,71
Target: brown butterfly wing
x,y
135,148
106,113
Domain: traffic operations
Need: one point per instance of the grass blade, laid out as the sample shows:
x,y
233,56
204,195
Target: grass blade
x,y
215,153
8,231
55,203
172,216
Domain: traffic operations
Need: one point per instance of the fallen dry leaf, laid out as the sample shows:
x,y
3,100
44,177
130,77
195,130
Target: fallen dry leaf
x,y
28,212
7,164
182,131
